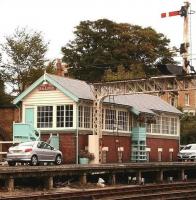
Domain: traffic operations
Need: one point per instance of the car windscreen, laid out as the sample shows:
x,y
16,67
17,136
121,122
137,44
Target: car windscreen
x,y
191,147
29,144
187,147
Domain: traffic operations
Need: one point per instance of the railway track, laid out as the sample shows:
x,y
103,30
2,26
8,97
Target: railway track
x,y
171,191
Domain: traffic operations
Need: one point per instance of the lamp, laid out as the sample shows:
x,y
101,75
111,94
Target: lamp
x,y
45,82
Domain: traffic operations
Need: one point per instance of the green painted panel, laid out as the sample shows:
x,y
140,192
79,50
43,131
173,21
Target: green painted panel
x,y
138,144
29,116
24,132
139,133
54,141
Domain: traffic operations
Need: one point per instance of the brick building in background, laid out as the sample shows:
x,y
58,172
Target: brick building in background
x,y
185,100
8,114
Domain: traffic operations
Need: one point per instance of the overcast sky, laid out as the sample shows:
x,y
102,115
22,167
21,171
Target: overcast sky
x,y
56,19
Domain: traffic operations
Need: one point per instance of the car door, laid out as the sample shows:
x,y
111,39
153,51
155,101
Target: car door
x,y
41,151
50,152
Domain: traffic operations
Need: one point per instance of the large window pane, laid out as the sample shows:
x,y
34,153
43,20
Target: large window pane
x,y
173,130
44,116
156,126
80,120
110,119
165,125
64,116
123,120
87,115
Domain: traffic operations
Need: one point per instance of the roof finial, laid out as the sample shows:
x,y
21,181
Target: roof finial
x,y
45,82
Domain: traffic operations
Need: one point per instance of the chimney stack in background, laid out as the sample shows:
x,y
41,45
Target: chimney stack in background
x,y
65,67
61,68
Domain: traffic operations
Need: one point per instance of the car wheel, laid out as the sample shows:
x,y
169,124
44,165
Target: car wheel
x,y
58,160
11,163
34,160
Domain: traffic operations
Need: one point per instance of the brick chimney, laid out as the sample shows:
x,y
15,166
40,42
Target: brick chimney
x,y
65,68
61,68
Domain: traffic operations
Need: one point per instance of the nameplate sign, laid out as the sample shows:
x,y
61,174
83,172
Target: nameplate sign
x,y
46,87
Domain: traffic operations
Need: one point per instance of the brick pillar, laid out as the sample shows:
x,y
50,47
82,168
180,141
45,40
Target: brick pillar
x,y
10,184
182,175
48,183
160,176
139,176
113,179
83,179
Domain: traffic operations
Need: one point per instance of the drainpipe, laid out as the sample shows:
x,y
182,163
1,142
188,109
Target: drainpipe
x,y
77,133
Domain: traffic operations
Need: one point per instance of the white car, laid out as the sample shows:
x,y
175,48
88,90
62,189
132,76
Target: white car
x,y
187,153
33,153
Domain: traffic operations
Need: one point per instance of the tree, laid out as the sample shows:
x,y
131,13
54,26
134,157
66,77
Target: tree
x,y
4,98
24,58
188,129
103,44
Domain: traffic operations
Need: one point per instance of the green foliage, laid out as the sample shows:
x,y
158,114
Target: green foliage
x,y
4,98
188,129
103,43
121,73
25,57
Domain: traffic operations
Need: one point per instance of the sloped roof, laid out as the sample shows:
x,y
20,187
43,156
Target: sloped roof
x,y
141,102
79,88
145,103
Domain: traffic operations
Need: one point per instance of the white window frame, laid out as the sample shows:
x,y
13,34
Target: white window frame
x,y
165,125
45,117
186,99
171,126
68,118
110,119
85,120
123,120
156,126
54,124
107,125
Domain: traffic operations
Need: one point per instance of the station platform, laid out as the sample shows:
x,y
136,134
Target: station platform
x,y
136,170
